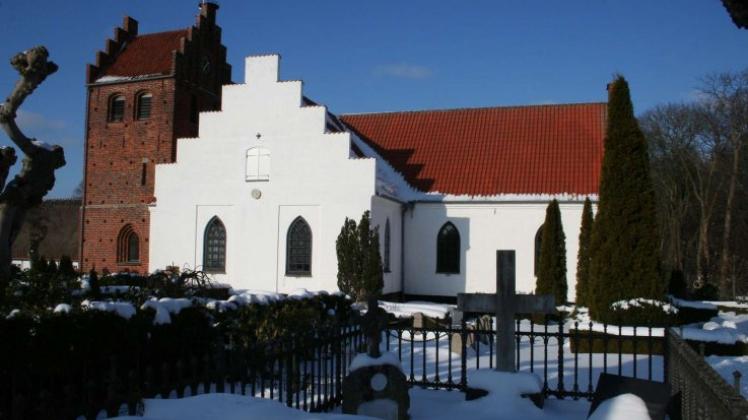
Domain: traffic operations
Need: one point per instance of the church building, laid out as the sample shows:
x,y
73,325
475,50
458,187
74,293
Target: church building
x,y
256,188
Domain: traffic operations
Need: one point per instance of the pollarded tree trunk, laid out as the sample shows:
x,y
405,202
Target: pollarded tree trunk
x,y
37,175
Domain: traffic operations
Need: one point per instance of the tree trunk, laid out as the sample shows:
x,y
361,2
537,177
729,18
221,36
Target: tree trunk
x,y
725,287
37,175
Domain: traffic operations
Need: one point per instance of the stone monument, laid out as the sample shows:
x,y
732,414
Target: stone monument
x,y
376,385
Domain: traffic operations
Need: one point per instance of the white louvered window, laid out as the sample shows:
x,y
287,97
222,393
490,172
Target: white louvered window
x,y
258,164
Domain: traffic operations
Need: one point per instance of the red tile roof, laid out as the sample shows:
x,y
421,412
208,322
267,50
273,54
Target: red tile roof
x,y
146,55
546,149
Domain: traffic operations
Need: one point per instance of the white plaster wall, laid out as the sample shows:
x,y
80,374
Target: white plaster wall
x,y
484,229
311,176
381,210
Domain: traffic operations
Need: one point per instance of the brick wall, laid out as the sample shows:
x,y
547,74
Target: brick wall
x,y
121,156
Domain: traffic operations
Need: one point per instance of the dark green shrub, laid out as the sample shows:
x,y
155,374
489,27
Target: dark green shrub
x,y
552,272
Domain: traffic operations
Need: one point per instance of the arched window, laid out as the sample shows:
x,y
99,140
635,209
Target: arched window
x,y
448,249
258,164
128,246
538,246
116,108
214,246
386,265
143,108
299,248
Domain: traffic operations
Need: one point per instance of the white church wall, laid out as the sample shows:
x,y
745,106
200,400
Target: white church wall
x,y
484,228
383,209
310,175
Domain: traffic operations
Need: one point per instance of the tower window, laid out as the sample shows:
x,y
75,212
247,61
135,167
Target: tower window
x,y
128,246
116,108
193,108
144,106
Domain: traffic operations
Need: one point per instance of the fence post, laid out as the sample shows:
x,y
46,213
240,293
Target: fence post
x,y
560,340
289,370
463,355
736,380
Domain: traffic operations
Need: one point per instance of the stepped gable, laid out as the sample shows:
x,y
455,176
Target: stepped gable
x,y
532,150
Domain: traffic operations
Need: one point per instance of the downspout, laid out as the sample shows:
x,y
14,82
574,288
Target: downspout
x,y
404,209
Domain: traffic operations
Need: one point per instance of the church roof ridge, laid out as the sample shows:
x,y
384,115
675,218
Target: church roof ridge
x,y
476,108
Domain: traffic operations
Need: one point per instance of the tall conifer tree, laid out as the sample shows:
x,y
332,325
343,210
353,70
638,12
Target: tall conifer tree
x,y
625,256
359,261
552,272
583,257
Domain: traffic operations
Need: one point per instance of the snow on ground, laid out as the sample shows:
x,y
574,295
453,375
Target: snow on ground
x,y
582,321
695,304
226,407
725,328
407,309
726,365
533,357
622,407
363,360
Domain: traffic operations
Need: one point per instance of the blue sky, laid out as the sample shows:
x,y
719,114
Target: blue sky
x,y
387,55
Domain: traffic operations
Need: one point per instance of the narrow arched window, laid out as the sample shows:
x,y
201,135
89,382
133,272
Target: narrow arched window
x,y
538,247
448,249
116,108
143,106
386,265
128,246
258,164
299,248
214,246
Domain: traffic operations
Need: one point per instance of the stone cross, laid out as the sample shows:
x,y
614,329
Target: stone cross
x,y
505,303
372,325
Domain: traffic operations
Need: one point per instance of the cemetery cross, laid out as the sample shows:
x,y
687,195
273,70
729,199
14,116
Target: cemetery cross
x,y
372,324
505,303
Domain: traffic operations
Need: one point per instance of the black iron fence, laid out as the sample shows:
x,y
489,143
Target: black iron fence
x,y
703,393
306,375
568,357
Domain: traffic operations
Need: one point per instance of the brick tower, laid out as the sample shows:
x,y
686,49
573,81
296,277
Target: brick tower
x,y
144,92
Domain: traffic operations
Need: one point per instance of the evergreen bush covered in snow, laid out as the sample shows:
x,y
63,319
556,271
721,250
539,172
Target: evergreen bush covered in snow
x,y
552,271
625,262
359,261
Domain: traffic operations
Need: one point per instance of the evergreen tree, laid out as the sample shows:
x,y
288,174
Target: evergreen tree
x,y
66,267
359,261
583,258
552,271
625,255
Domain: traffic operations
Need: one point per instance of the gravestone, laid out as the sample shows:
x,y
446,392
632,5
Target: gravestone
x,y
376,385
505,303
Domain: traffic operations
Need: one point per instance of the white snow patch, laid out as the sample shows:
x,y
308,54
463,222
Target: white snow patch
x,y
225,407
583,322
43,145
641,302
363,360
726,328
124,309
62,308
695,304
14,313
164,307
621,407
407,309
726,365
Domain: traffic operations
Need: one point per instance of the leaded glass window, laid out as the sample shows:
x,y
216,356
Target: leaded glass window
x,y
299,248
538,247
448,249
144,106
214,248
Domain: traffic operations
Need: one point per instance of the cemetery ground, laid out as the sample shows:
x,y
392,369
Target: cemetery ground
x,y
428,357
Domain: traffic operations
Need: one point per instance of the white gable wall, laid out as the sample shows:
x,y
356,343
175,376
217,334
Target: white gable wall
x,y
484,228
311,176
